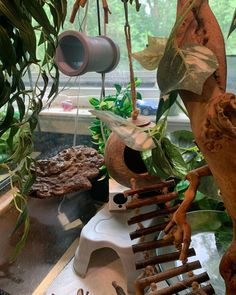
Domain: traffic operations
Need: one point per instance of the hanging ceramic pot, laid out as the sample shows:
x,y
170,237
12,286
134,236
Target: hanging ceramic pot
x,y
77,54
124,163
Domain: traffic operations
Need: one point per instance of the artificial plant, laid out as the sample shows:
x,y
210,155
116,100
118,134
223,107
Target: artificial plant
x,y
118,103
28,74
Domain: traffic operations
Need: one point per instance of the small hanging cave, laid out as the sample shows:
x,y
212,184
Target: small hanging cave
x,y
133,161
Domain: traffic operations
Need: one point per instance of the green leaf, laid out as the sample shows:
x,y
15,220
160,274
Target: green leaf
x,y
29,39
24,218
5,94
233,24
6,123
175,158
165,105
28,183
55,85
45,83
162,163
21,107
94,101
10,9
209,188
139,96
182,138
152,164
37,12
186,69
150,57
10,139
20,220
118,88
8,56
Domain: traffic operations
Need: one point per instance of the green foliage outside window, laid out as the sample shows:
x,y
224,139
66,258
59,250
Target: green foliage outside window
x,y
155,18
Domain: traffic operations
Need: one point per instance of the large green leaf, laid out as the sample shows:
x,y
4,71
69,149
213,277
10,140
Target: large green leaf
x,y
185,69
150,57
174,157
152,163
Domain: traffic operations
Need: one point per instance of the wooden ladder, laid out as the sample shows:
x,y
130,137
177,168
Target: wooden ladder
x,y
161,194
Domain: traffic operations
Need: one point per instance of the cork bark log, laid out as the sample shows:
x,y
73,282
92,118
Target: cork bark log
x,y
213,122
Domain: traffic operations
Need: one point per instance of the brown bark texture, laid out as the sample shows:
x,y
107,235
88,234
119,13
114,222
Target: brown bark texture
x,y
213,121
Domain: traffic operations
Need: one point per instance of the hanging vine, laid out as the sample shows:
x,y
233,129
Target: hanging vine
x,y
29,30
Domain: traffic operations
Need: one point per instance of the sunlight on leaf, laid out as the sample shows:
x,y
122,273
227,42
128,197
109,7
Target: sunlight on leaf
x,y
134,137
186,69
150,57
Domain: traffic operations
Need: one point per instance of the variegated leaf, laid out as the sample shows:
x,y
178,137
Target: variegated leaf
x,y
134,137
186,69
150,57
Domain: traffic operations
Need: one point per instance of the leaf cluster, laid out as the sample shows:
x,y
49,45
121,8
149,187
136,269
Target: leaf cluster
x,y
119,103
25,26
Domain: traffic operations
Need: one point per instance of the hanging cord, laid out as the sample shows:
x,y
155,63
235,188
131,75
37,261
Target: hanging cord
x,y
75,9
76,129
102,94
106,12
83,22
135,111
99,19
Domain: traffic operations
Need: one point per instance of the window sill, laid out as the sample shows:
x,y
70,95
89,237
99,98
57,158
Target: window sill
x,y
59,121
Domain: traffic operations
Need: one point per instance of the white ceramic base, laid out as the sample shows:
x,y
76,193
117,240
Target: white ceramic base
x,y
109,230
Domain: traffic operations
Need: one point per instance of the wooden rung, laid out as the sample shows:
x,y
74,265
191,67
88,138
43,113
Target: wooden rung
x,y
148,230
170,273
182,285
168,183
207,289
152,245
137,203
162,258
152,214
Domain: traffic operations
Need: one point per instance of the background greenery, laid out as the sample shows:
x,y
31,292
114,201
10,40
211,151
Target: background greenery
x,y
156,18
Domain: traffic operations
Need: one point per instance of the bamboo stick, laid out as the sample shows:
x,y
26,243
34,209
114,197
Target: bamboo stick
x,y
152,214
152,244
170,273
148,230
153,200
182,285
154,187
162,258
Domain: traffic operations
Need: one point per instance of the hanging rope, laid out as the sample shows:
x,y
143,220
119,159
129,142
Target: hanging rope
x,y
135,111
75,9
99,19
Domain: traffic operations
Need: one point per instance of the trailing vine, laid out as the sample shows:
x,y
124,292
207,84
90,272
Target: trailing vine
x,y
28,76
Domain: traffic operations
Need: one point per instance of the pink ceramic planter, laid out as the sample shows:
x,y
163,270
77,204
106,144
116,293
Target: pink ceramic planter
x,y
78,54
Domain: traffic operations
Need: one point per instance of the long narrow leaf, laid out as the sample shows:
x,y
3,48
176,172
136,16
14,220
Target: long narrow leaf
x,y
164,105
233,24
